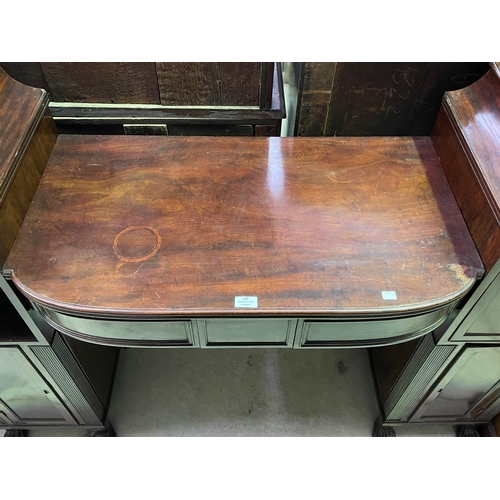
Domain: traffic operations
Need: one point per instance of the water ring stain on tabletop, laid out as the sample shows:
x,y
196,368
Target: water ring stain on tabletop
x,y
136,244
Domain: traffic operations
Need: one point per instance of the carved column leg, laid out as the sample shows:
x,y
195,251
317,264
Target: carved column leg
x,y
467,431
108,431
379,430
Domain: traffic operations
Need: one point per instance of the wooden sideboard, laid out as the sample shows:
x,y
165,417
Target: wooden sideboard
x,y
292,243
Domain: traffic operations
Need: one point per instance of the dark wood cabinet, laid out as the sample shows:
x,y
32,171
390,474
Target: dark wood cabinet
x,y
210,98
364,99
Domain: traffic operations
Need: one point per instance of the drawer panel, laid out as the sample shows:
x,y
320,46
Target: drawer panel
x,y
246,332
318,333
133,333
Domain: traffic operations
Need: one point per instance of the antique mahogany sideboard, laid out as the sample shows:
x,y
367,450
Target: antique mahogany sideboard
x,y
375,242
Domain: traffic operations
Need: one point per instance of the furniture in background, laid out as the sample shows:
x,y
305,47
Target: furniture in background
x,y
364,99
243,99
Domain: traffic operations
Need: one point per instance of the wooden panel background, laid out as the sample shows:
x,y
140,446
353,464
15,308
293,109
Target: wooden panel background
x,y
317,84
171,84
209,83
363,99
374,98
102,82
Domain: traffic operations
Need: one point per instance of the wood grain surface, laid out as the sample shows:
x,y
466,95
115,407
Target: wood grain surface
x,y
102,82
172,226
374,98
315,94
18,197
21,109
467,139
209,83
26,141
476,110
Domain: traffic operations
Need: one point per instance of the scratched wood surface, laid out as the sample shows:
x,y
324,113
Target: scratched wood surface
x,y
374,98
209,83
467,139
102,82
362,99
181,225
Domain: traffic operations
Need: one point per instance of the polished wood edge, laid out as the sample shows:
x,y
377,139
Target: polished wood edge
x,y
155,314
26,137
495,66
472,159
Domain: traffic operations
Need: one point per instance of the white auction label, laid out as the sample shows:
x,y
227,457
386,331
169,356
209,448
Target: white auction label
x,y
389,295
245,302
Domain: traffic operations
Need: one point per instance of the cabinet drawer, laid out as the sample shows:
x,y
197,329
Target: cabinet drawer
x,y
318,333
246,332
124,333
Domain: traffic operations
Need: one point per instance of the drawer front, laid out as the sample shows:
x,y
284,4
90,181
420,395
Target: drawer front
x,y
317,333
246,332
125,333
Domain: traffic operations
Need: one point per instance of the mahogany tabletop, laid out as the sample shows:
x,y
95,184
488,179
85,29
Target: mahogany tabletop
x,y
180,226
